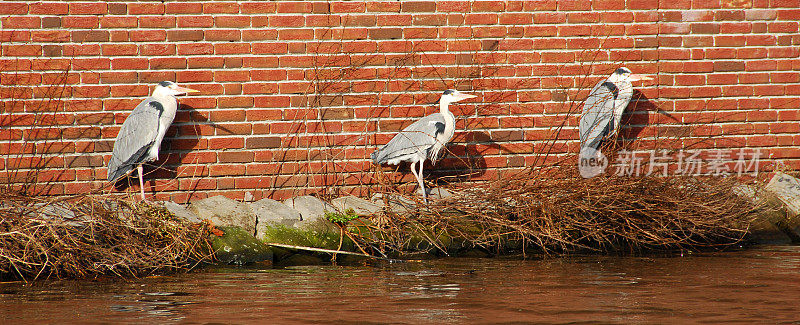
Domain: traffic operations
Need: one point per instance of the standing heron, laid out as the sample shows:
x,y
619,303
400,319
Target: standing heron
x,y
602,110
140,137
423,139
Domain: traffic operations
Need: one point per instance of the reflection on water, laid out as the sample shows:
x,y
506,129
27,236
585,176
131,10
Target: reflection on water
x,y
759,285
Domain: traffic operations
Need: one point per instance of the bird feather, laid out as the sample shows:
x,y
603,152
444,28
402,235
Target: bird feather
x,y
136,136
416,139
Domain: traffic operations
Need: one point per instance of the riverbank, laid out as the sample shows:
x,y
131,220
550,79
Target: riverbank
x,y
527,215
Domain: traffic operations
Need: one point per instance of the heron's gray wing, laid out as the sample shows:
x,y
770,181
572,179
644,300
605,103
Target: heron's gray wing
x,y
136,136
597,118
420,136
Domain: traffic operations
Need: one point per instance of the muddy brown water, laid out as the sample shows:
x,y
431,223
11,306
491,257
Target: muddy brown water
x,y
760,285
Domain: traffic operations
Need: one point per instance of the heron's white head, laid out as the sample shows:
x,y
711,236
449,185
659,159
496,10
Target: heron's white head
x,y
172,89
452,96
625,74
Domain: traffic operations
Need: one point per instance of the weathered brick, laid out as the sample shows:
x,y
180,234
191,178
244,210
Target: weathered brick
x,y
418,6
96,8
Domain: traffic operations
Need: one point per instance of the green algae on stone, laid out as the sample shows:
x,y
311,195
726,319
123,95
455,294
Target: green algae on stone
x,y
237,246
319,237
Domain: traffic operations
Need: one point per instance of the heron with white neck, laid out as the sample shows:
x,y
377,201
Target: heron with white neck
x,y
602,110
423,139
140,136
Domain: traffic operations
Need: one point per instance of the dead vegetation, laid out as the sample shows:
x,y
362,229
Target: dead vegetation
x,y
554,210
91,236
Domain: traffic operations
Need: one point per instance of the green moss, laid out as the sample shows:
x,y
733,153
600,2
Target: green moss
x,y
237,246
281,234
341,218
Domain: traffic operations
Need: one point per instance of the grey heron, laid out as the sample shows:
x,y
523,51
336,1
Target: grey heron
x,y
603,108
139,138
423,139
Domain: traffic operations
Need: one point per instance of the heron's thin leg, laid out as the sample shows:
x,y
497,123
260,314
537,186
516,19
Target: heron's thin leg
x,y
414,171
421,183
141,181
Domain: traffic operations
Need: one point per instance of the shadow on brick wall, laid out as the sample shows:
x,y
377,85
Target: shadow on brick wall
x,y
464,161
638,116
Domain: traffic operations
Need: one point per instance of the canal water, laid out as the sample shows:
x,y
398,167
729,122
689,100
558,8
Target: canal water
x,y
759,285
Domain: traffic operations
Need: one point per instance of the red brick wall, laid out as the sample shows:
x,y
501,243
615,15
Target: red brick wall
x,y
297,94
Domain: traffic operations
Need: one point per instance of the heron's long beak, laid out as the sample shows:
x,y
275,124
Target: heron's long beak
x,y
637,77
462,96
186,90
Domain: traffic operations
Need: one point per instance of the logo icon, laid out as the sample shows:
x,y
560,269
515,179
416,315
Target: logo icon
x,y
591,162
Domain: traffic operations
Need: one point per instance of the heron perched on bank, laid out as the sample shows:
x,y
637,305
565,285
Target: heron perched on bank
x,y
423,139
602,110
140,137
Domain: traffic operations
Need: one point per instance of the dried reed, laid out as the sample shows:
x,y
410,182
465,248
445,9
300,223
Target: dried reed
x,y
90,236
554,210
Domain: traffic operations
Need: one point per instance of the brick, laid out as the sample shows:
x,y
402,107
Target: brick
x,y
269,48
195,21
229,76
235,102
548,5
259,35
783,27
286,21
516,18
157,49
118,9
167,63
195,49
194,76
82,22
22,50
21,8
120,77
51,22
453,6
607,5
184,35
383,6
38,8
347,7
206,62
144,35
221,8
119,49
582,5
258,7
97,8
50,36
232,21
418,6
429,20
146,8
481,19
385,33
294,7
118,22
549,18
129,63
21,22
184,8
157,22
296,34
360,20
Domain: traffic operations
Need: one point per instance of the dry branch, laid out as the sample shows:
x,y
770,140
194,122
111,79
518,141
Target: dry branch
x,y
89,236
554,210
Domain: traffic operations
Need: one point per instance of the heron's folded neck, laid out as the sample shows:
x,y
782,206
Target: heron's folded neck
x,y
443,107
